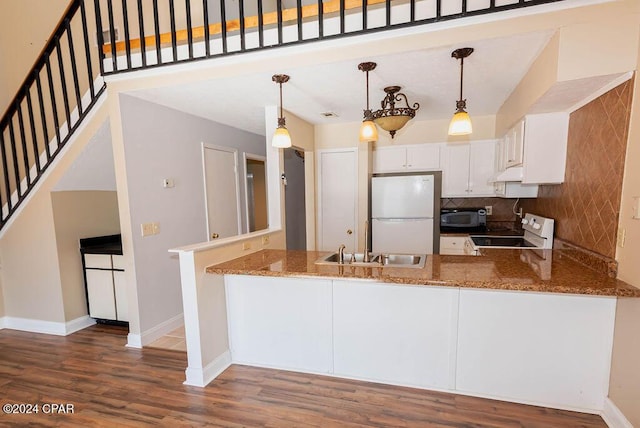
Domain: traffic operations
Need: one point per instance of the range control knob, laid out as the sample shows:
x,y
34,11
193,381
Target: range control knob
x,y
524,221
536,226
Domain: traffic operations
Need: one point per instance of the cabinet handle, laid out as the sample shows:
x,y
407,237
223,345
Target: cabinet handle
x,y
349,231
214,236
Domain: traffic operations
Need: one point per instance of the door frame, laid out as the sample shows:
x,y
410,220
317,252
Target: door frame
x,y
252,156
205,146
356,228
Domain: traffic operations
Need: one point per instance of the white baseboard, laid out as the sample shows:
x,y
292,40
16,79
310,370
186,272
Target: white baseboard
x,y
155,333
78,324
613,417
2,322
47,327
202,377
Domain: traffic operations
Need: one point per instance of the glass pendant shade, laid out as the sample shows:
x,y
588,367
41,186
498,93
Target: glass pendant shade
x,y
460,124
281,138
368,132
392,123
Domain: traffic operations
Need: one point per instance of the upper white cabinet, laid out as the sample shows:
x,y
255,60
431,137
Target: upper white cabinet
x,y
534,151
467,169
419,157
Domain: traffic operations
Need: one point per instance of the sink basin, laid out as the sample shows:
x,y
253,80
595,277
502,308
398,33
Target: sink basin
x,y
403,260
377,260
333,259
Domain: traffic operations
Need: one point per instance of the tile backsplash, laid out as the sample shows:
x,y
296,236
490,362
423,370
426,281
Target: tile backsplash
x,y
587,205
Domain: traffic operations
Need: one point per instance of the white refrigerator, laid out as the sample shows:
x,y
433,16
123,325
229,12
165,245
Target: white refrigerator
x,y
403,213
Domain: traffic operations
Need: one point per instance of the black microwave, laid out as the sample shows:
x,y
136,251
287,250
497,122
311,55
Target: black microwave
x,y
463,220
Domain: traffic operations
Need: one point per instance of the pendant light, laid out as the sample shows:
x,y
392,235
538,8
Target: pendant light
x,y
461,122
281,138
392,118
368,129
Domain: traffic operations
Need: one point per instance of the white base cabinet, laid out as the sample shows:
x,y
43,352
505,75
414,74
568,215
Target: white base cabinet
x,y
280,322
537,348
545,349
106,287
394,333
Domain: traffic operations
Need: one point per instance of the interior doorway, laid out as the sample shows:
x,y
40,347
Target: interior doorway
x,y
222,191
295,213
256,193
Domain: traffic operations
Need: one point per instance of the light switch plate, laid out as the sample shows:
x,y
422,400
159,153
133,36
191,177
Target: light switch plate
x,y
146,229
489,209
265,240
621,237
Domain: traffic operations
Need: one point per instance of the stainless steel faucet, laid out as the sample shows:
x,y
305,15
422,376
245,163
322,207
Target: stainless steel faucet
x,y
366,256
341,253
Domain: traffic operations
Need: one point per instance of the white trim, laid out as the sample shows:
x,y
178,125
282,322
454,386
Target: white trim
x,y
161,329
606,88
613,416
47,327
134,341
204,246
78,324
202,377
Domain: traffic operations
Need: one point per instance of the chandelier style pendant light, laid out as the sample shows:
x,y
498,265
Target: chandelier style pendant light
x,y
461,122
392,118
368,129
281,138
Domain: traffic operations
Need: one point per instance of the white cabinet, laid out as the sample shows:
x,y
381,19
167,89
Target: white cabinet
x,y
280,322
538,348
419,157
534,151
106,287
467,169
452,245
394,333
337,199
514,145
457,245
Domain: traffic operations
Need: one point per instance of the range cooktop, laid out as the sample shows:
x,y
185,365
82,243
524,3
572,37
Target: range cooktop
x,y
501,241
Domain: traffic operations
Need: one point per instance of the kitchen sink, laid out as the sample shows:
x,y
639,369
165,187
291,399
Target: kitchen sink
x,y
377,260
403,260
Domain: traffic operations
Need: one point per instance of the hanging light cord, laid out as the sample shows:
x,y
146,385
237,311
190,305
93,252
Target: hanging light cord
x,y
461,75
367,73
281,113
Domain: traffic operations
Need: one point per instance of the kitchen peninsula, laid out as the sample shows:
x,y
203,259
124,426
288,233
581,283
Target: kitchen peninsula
x,y
487,326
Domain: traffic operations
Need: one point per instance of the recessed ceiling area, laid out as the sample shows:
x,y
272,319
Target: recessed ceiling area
x,y
430,77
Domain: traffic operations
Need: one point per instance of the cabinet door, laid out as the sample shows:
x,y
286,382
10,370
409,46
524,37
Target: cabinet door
x,y
423,157
101,296
452,245
540,348
455,170
394,333
515,145
481,170
120,289
280,322
390,159
338,197
98,261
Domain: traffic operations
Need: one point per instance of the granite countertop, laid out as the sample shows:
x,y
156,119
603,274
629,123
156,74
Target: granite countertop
x,y
500,269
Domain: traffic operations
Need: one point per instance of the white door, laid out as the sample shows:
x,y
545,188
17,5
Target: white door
x,y
221,191
338,199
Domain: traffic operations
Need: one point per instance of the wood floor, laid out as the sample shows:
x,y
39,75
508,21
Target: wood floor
x,y
110,385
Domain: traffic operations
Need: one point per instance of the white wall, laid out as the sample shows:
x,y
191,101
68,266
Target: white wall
x,y
159,143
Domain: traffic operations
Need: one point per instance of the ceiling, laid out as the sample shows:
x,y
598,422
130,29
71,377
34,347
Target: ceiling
x,y
429,77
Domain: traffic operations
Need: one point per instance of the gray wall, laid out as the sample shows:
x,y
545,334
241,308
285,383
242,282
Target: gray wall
x,y
164,143
294,201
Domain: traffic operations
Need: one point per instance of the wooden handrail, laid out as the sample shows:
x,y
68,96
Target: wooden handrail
x,y
269,18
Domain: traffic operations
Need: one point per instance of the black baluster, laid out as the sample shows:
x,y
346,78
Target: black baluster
x,y
260,24
23,141
63,80
14,158
32,125
321,19
174,40
5,170
112,36
87,49
156,27
74,68
187,5
341,16
279,11
143,42
43,117
127,38
54,106
241,14
223,22
299,10
207,34
101,55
